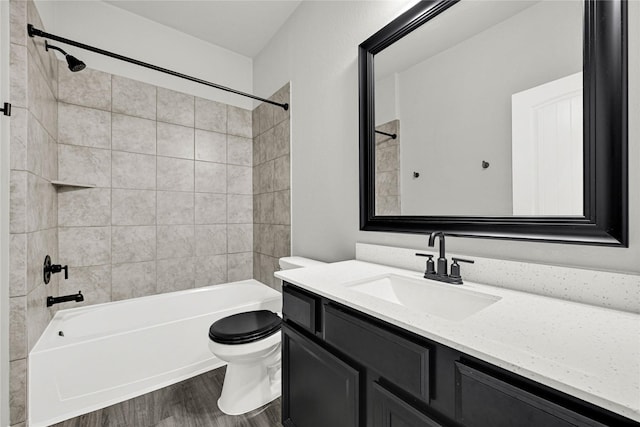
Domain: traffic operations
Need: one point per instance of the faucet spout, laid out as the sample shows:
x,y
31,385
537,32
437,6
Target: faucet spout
x,y
442,260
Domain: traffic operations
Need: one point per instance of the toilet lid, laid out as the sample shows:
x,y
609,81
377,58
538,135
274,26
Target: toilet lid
x,y
245,327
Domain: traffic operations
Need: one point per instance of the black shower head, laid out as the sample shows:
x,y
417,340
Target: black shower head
x,y
74,63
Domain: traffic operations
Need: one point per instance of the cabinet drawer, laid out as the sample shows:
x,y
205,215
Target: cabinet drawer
x,y
391,411
299,308
483,400
398,360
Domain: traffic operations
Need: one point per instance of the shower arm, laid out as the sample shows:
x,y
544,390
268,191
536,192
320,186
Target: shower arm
x,y
34,32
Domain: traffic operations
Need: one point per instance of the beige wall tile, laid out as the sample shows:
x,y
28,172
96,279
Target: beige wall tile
x,y
18,144
211,177
239,150
175,207
281,173
84,165
211,239
239,209
133,98
17,391
239,179
18,76
210,208
175,174
282,207
84,126
133,207
176,241
38,315
211,270
240,266
266,239
84,207
85,246
133,134
37,139
41,100
17,328
176,274
133,280
18,21
18,202
238,121
240,238
281,241
135,171
94,282
41,204
266,174
266,117
17,265
90,88
175,107
269,144
175,141
211,146
211,115
266,203
133,244
282,139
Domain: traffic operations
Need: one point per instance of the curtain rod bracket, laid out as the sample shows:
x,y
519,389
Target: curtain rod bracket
x,y
34,32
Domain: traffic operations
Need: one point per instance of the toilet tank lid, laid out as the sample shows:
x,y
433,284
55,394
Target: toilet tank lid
x,y
290,262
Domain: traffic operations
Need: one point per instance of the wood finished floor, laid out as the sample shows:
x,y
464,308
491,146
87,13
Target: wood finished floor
x,y
190,403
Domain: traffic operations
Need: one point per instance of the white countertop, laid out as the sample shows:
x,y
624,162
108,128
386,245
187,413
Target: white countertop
x,y
589,352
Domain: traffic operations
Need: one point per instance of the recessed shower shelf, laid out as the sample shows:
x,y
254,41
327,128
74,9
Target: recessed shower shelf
x,y
61,184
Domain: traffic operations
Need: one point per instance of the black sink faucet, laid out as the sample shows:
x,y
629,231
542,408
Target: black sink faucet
x,y
441,269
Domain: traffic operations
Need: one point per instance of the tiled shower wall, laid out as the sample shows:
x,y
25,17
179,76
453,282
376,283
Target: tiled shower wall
x,y
387,155
172,203
271,186
33,200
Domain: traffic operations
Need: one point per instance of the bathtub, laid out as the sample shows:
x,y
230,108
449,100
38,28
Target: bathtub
x,y
92,357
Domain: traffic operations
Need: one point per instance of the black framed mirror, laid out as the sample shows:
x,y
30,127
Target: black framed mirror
x,y
487,187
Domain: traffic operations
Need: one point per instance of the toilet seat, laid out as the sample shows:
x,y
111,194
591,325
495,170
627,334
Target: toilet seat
x,y
244,328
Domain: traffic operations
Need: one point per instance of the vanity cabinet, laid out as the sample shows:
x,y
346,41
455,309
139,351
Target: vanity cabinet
x,y
344,368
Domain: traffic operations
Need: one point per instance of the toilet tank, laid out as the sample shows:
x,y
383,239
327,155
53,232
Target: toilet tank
x,y
291,262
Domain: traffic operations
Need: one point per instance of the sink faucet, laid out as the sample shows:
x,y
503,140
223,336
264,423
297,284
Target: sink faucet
x,y
441,269
441,272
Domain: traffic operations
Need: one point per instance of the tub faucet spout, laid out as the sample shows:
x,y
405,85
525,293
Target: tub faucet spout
x,y
56,300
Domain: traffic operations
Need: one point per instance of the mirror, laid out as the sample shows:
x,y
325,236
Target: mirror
x,y
485,118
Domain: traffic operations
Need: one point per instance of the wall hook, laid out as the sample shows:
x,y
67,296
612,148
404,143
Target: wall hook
x,y
485,164
416,174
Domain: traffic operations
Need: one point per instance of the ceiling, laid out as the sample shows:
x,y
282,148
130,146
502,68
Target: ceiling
x,y
243,26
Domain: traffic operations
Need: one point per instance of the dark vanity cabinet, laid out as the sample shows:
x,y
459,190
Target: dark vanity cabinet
x,y
343,368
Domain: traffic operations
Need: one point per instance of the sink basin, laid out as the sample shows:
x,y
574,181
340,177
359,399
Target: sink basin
x,y
441,300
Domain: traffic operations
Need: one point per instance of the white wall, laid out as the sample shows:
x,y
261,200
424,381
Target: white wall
x,y
107,27
317,51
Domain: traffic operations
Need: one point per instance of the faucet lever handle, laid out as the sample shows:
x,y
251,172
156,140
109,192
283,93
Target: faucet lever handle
x,y
430,269
455,267
456,260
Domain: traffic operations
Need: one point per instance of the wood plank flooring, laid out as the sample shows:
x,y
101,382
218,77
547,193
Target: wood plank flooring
x,y
190,403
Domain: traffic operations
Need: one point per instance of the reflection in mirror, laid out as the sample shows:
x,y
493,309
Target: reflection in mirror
x,y
488,97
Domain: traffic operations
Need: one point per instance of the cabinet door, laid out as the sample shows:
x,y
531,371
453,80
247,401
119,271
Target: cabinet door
x,y
391,411
319,390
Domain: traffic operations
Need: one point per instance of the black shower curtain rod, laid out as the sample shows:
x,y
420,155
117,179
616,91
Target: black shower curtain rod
x,y
392,135
33,32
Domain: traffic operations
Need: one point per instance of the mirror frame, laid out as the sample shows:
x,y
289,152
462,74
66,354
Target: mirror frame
x,y
605,220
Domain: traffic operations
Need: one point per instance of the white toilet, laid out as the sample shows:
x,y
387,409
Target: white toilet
x,y
250,344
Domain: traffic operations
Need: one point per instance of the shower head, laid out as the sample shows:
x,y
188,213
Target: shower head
x,y
74,63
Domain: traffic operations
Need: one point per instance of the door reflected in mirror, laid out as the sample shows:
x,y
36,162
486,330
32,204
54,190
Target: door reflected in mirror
x,y
486,103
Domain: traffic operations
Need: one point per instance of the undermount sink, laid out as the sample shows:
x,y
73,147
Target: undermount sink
x,y
441,300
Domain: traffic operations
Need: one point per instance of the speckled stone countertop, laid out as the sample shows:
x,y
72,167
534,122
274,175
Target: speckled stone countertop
x,y
589,352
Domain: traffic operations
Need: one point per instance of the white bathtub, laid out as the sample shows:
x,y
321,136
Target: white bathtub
x,y
116,351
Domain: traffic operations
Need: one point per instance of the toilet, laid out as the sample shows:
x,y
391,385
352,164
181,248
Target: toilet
x,y
250,344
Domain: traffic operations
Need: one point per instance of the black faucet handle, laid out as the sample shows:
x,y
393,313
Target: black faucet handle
x,y
430,269
455,267
66,272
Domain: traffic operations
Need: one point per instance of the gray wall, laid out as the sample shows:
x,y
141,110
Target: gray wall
x,y
455,109
172,207
317,51
33,200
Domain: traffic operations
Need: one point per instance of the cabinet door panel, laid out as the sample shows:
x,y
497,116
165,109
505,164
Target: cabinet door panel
x,y
391,411
319,390
483,400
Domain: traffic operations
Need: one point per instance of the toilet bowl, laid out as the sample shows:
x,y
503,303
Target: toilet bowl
x,y
250,344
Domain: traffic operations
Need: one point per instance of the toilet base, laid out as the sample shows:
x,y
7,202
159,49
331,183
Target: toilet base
x,y
248,386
